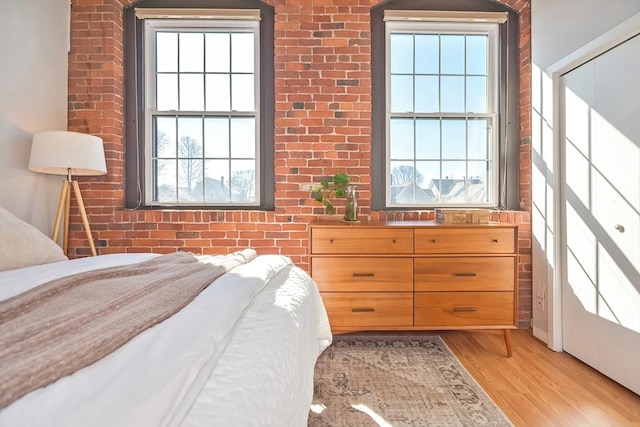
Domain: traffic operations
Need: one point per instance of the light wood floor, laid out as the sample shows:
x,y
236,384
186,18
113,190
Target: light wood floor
x,y
538,387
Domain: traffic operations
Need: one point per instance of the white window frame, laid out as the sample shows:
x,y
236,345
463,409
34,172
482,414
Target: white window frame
x,y
243,23
405,22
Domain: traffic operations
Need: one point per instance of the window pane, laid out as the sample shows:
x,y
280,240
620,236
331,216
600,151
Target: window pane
x,y
453,172
401,53
165,172
452,185
477,54
165,138
216,137
189,137
166,52
427,98
402,173
242,95
401,94
191,92
243,137
427,54
452,54
454,140
402,182
217,181
167,92
243,185
190,180
428,139
401,139
218,92
478,184
430,186
191,52
242,53
452,94
217,52
477,94
478,139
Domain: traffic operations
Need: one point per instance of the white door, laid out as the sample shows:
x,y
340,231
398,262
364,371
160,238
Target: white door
x,y
601,201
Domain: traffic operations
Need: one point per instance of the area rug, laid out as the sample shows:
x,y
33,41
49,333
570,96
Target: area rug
x,y
397,381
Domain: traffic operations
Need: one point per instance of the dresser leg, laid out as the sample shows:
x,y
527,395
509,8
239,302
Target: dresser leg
x,y
507,341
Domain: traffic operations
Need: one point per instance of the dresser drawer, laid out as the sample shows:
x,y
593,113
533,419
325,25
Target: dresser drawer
x,y
487,240
364,240
362,274
465,274
468,309
368,309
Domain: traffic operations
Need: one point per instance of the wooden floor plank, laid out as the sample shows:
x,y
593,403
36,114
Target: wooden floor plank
x,y
539,387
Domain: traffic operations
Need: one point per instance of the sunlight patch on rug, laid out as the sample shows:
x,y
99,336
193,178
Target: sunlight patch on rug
x,y
375,417
397,381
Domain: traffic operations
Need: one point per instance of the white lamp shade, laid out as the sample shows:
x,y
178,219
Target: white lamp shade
x,y
55,152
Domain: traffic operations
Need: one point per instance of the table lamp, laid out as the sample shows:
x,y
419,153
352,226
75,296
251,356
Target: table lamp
x,y
71,154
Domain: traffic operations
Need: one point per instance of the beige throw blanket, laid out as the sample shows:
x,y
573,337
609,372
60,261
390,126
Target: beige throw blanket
x,y
64,325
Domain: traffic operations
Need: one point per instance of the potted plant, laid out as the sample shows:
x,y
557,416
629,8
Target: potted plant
x,y
330,188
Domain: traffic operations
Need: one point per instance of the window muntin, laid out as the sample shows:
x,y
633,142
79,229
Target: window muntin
x,y
202,138
441,143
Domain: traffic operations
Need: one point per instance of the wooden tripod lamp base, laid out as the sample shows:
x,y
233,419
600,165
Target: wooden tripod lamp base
x,y
64,205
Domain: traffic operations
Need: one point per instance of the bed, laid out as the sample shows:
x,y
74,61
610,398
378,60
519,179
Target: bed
x,y
241,353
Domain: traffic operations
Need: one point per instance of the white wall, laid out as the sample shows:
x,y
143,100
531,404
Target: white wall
x,y
558,28
34,43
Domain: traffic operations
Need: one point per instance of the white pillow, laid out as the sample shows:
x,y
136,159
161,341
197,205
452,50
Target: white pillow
x,y
23,245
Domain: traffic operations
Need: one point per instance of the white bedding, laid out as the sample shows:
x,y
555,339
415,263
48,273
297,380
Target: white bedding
x,y
241,354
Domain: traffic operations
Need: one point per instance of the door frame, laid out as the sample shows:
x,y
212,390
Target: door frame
x,y
612,38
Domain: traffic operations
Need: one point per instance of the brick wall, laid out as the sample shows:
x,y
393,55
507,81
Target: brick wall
x,y
323,124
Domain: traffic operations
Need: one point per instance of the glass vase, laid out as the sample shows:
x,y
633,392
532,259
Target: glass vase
x,y
351,205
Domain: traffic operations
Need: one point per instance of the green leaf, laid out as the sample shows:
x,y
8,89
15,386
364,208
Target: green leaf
x,y
330,208
341,179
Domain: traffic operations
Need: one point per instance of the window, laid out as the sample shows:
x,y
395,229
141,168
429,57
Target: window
x,y
202,127
201,118
441,113
441,138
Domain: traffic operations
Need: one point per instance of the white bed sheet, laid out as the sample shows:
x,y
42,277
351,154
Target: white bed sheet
x,y
242,353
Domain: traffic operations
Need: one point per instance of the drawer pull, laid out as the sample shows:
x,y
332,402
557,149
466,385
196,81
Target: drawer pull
x,y
330,240
363,274
465,274
495,240
394,240
363,310
435,240
465,309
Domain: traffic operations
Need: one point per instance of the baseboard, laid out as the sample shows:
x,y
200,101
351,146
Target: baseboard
x,y
540,334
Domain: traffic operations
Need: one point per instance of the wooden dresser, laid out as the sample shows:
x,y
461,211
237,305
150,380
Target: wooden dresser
x,y
416,275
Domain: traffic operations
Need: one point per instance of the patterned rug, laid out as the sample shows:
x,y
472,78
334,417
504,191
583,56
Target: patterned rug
x,y
397,381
